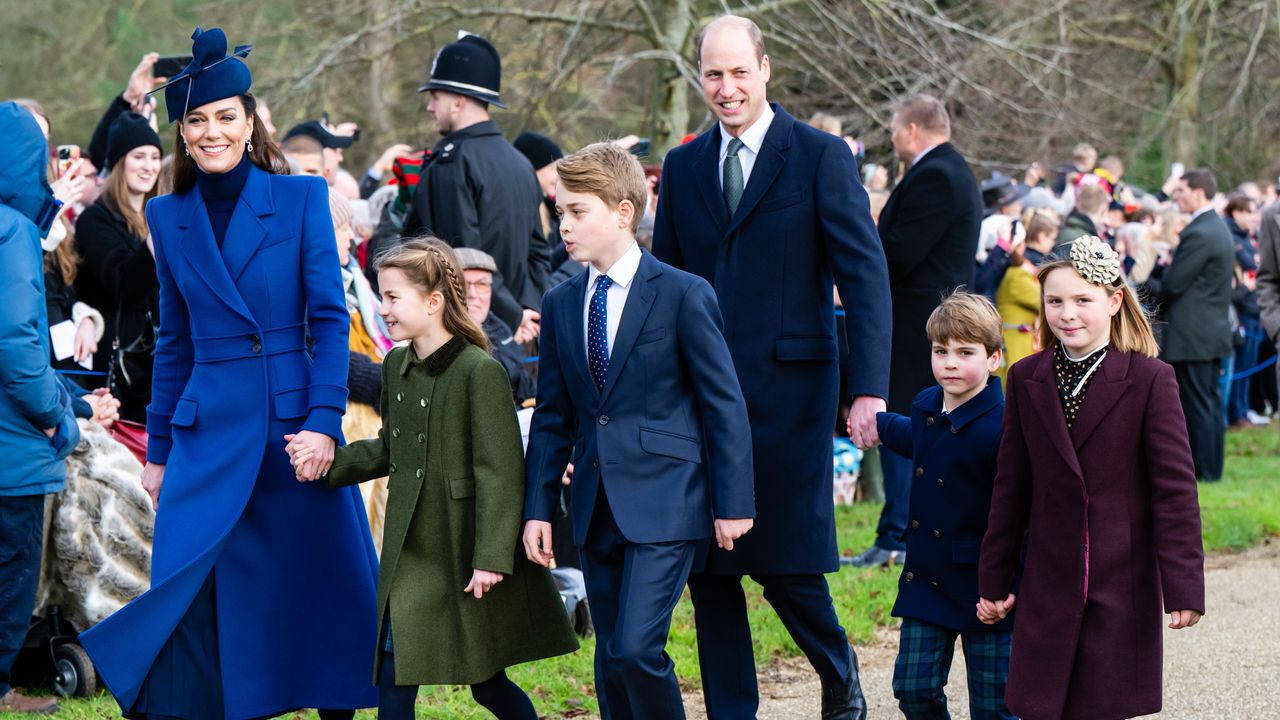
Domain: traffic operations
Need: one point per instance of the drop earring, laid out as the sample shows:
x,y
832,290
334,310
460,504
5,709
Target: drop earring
x,y
186,148
248,145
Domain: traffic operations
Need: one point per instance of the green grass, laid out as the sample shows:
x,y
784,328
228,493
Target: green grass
x,y
1238,512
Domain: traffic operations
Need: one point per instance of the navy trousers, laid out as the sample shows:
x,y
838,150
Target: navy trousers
x,y
632,589
21,532
1198,389
897,501
803,603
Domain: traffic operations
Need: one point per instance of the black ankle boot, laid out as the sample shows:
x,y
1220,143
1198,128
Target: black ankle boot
x,y
844,701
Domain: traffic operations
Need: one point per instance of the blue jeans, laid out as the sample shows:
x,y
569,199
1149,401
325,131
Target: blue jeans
x,y
1246,358
21,531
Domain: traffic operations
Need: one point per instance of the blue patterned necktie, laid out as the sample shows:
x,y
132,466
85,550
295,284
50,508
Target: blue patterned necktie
x,y
732,179
598,332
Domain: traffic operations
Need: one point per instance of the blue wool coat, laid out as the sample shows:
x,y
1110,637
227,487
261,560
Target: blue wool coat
x,y
294,565
954,460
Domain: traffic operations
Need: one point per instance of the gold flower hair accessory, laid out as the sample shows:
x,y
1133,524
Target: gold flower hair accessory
x,y
1095,260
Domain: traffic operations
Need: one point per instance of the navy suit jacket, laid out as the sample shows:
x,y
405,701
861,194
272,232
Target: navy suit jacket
x,y
666,438
955,459
802,225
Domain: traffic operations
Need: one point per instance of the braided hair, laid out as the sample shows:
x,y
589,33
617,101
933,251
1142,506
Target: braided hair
x,y
430,264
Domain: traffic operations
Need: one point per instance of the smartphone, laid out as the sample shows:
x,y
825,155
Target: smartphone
x,y
170,65
67,156
1176,170
642,148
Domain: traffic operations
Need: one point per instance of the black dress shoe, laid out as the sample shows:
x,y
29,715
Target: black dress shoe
x,y
844,701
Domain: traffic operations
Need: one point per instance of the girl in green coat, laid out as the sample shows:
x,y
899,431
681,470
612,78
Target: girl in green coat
x,y
457,604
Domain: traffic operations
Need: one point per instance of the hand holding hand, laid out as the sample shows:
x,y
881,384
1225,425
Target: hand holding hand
x,y
311,454
537,542
991,611
1179,619
529,326
862,421
106,408
152,479
482,581
728,530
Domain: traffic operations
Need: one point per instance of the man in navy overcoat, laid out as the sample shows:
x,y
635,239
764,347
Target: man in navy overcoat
x,y
770,211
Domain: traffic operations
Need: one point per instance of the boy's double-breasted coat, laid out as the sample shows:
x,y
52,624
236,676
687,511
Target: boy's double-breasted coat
x,y
450,445
293,563
1114,537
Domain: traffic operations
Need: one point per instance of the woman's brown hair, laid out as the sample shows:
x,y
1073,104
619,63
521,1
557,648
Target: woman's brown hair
x,y
1130,326
265,154
430,264
115,193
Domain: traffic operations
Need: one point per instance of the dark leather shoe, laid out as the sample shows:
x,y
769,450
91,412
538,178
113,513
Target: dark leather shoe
x,y
876,556
844,701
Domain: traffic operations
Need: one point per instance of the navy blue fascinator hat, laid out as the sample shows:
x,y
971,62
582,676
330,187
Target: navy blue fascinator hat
x,y
212,74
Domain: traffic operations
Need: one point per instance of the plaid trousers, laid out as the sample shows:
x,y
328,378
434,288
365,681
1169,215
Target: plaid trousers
x,y
924,662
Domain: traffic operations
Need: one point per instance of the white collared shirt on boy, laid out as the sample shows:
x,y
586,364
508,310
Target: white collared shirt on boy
x,y
751,139
622,273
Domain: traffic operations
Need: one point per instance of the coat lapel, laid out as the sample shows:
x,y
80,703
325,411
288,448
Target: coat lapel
x,y
246,230
1103,394
201,251
1047,408
706,166
634,313
571,320
769,163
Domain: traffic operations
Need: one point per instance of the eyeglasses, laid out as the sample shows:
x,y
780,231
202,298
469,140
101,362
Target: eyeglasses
x,y
481,287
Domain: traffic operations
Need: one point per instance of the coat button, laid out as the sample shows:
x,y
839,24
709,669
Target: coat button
x,y
257,343
595,463
940,483
954,430
910,576
399,397
418,472
395,433
919,471
422,402
928,420
392,469
604,419
915,524
935,585
421,438
937,533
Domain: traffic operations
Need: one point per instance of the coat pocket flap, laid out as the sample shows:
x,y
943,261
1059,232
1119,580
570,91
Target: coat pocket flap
x,y
462,487
184,414
965,553
799,348
291,404
680,447
651,336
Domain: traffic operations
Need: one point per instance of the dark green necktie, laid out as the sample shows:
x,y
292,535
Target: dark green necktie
x,y
732,177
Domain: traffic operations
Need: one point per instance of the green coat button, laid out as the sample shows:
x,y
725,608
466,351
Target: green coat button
x,y
399,397
395,433
421,438
393,467
423,402
419,472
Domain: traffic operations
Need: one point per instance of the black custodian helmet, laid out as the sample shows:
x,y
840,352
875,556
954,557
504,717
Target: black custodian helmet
x,y
471,66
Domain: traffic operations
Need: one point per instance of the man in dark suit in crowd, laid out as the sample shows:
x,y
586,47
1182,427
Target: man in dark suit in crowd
x,y
1195,293
770,211
1269,273
929,228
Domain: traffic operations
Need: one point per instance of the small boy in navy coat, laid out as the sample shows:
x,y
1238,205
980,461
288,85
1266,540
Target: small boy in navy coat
x,y
637,388
952,437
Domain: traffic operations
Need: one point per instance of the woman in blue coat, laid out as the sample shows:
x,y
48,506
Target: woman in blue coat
x,y
262,597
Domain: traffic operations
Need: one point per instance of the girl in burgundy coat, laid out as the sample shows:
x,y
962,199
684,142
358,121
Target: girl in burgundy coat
x,y
1095,468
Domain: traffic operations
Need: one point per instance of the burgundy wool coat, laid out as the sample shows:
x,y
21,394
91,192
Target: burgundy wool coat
x,y
1113,542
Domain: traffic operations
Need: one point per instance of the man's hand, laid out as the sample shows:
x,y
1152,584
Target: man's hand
x,y
529,326
728,530
482,581
862,421
537,542
567,478
1179,619
152,479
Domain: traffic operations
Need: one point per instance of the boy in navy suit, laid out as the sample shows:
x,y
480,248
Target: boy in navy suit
x,y
952,437
636,386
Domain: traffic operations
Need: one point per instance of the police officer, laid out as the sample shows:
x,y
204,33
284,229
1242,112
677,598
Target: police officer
x,y
479,191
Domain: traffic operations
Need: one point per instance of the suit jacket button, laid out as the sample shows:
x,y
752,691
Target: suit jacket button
x,y
940,483
935,585
604,419
919,471
928,420
910,576
915,524
954,430
937,533
595,463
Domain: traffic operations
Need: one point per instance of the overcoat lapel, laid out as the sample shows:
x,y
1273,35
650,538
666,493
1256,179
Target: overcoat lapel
x,y
246,231
201,251
571,321
634,313
1047,408
706,169
1103,394
769,164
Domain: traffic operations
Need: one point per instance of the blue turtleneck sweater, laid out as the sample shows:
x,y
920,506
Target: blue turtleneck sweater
x,y
221,192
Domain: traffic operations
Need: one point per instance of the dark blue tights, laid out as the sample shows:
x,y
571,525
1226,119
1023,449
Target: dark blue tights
x,y
498,695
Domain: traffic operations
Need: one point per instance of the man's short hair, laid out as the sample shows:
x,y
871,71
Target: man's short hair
x,y
1084,154
1201,179
1091,199
610,173
753,32
926,111
966,318
302,145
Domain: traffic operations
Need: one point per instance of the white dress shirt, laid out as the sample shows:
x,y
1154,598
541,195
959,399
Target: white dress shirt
x,y
1207,207
923,153
751,139
622,273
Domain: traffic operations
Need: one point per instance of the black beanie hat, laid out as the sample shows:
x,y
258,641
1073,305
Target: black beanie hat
x,y
540,149
129,131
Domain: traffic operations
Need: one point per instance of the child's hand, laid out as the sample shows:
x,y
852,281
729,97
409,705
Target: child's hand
x,y
537,542
1179,619
482,581
992,611
729,530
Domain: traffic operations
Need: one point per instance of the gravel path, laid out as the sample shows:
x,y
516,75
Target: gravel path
x,y
1224,668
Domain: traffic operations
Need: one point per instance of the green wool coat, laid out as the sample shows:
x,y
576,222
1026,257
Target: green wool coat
x,y
450,445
